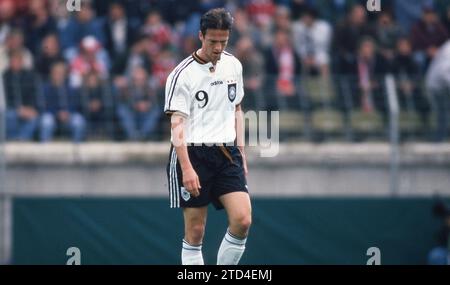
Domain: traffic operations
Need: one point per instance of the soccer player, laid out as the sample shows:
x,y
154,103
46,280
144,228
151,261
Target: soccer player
x,y
207,161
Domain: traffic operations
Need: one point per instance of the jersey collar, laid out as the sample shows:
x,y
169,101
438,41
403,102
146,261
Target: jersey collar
x,y
207,64
198,58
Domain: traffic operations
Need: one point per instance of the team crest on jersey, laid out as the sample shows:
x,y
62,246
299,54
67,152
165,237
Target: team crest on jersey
x,y
185,194
232,91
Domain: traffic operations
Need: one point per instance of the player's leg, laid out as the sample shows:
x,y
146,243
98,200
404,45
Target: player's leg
x,y
239,211
194,230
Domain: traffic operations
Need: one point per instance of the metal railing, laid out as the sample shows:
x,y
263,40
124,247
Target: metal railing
x,y
335,108
393,132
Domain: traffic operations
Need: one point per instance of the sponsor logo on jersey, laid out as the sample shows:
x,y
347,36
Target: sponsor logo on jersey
x,y
217,82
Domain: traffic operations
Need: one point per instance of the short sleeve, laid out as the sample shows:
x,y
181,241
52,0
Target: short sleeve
x,y
177,96
240,84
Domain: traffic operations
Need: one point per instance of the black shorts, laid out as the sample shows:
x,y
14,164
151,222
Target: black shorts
x,y
218,173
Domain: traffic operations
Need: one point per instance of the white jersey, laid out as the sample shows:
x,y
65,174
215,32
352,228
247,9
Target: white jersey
x,y
207,98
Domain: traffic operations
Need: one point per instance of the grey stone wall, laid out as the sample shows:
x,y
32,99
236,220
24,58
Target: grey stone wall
x,y
97,169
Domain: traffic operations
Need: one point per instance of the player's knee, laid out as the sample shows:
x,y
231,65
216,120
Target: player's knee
x,y
195,233
243,222
246,222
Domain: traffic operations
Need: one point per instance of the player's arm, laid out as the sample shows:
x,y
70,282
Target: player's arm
x,y
240,138
190,178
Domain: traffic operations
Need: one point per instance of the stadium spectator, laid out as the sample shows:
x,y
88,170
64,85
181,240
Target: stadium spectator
x,y
282,19
139,55
91,57
253,76
60,107
407,74
312,38
408,12
261,13
387,32
39,24
77,28
7,12
282,65
20,90
62,17
95,105
120,33
162,65
348,35
20,7
438,85
15,42
157,30
243,27
138,108
427,35
49,53
368,69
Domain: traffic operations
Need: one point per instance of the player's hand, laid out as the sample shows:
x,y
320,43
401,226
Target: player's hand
x,y
191,181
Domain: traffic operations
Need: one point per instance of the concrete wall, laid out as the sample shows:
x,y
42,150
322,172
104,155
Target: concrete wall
x,y
298,170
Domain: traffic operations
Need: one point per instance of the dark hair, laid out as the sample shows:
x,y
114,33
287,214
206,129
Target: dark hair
x,y
218,18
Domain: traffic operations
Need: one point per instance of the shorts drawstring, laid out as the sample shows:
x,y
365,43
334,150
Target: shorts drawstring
x,y
226,153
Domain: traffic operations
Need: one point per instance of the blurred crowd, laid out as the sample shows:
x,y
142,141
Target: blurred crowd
x,y
100,72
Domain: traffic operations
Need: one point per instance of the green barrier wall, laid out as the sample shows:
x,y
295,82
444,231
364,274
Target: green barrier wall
x,y
284,231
